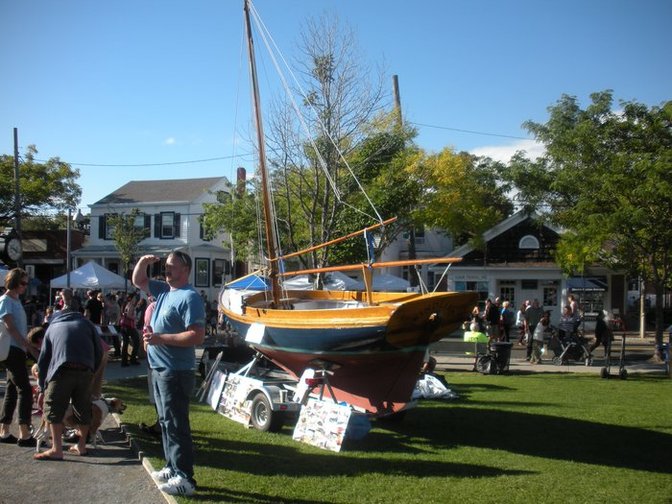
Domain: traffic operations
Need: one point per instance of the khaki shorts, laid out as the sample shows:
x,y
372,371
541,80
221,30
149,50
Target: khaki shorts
x,y
65,385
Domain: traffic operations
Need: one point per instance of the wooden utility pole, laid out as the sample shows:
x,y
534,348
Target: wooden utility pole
x,y
397,99
17,194
413,273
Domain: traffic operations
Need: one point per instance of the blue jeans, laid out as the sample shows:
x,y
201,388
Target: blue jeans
x,y
172,391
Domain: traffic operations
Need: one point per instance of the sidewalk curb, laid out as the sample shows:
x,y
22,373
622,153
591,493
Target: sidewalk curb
x,y
149,468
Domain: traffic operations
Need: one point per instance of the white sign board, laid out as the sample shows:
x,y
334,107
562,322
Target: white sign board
x,y
322,424
234,403
216,387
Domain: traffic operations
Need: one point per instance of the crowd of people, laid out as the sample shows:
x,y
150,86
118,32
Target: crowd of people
x,y
166,319
531,323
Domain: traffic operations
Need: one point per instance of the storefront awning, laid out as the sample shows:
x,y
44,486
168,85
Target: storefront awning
x,y
587,284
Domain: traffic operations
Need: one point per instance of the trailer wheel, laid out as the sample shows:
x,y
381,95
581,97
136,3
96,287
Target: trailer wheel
x,y
263,417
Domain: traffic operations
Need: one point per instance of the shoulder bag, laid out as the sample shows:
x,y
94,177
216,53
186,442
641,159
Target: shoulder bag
x,y
5,339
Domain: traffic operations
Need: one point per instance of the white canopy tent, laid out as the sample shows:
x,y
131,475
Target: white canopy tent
x,y
340,281
335,280
389,283
90,276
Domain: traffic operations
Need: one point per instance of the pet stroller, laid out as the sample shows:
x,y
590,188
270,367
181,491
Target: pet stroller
x,y
570,348
496,361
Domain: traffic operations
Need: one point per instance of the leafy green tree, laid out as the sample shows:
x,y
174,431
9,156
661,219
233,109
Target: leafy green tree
x,y
463,194
235,214
380,163
127,235
44,186
605,178
51,222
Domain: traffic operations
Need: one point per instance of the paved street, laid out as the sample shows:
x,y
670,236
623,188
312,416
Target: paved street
x,y
112,473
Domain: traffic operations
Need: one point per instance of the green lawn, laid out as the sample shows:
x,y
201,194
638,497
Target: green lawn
x,y
528,438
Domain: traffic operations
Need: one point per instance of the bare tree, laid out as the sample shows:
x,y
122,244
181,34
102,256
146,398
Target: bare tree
x,y
339,99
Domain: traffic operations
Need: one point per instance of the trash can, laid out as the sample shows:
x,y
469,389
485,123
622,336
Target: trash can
x,y
501,354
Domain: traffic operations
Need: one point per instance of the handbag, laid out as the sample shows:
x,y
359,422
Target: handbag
x,y
5,339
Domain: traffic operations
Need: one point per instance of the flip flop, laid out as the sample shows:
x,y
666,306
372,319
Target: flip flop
x,y
73,450
46,456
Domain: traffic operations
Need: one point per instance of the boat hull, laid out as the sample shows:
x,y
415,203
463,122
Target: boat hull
x,y
374,351
377,382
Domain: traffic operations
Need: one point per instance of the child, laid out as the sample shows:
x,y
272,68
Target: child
x,y
35,337
538,340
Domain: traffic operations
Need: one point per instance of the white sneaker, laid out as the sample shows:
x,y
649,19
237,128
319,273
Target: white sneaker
x,y
177,485
163,475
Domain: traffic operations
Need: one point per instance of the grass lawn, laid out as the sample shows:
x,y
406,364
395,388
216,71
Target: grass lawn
x,y
529,438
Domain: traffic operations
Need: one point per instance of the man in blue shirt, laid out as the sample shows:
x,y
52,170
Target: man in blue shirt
x,y
176,327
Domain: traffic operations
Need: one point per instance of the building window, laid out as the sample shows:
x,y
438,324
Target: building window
x,y
220,267
202,272
551,293
106,229
167,225
528,242
529,284
508,293
420,235
201,231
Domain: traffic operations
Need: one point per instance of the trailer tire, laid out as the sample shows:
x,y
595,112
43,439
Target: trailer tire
x,y
263,417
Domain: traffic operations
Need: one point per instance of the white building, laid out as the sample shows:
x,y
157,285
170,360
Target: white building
x,y
170,211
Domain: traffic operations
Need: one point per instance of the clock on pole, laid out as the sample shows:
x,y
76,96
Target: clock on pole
x,y
10,246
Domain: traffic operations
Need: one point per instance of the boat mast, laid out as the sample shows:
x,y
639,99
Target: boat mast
x,y
270,232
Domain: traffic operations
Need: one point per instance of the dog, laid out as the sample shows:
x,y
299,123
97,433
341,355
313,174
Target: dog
x,y
100,408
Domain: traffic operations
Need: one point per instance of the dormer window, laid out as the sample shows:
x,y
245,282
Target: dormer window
x,y
528,242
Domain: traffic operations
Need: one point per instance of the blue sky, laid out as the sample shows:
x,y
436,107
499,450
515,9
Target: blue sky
x,y
137,82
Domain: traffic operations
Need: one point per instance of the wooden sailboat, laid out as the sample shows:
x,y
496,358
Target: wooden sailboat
x,y
372,343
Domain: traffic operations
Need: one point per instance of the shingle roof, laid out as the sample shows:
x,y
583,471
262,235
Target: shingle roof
x,y
151,191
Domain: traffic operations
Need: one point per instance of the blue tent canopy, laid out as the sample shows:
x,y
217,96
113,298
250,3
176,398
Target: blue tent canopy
x,y
250,283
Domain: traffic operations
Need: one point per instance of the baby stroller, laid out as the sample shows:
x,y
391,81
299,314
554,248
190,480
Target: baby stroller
x,y
496,361
573,347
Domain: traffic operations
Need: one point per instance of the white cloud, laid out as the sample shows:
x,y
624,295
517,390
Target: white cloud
x,y
170,141
504,153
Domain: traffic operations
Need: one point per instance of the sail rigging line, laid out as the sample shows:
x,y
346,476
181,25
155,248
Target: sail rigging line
x,y
272,48
234,147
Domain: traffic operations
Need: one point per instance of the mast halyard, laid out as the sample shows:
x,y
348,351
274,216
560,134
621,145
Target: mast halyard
x,y
271,239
